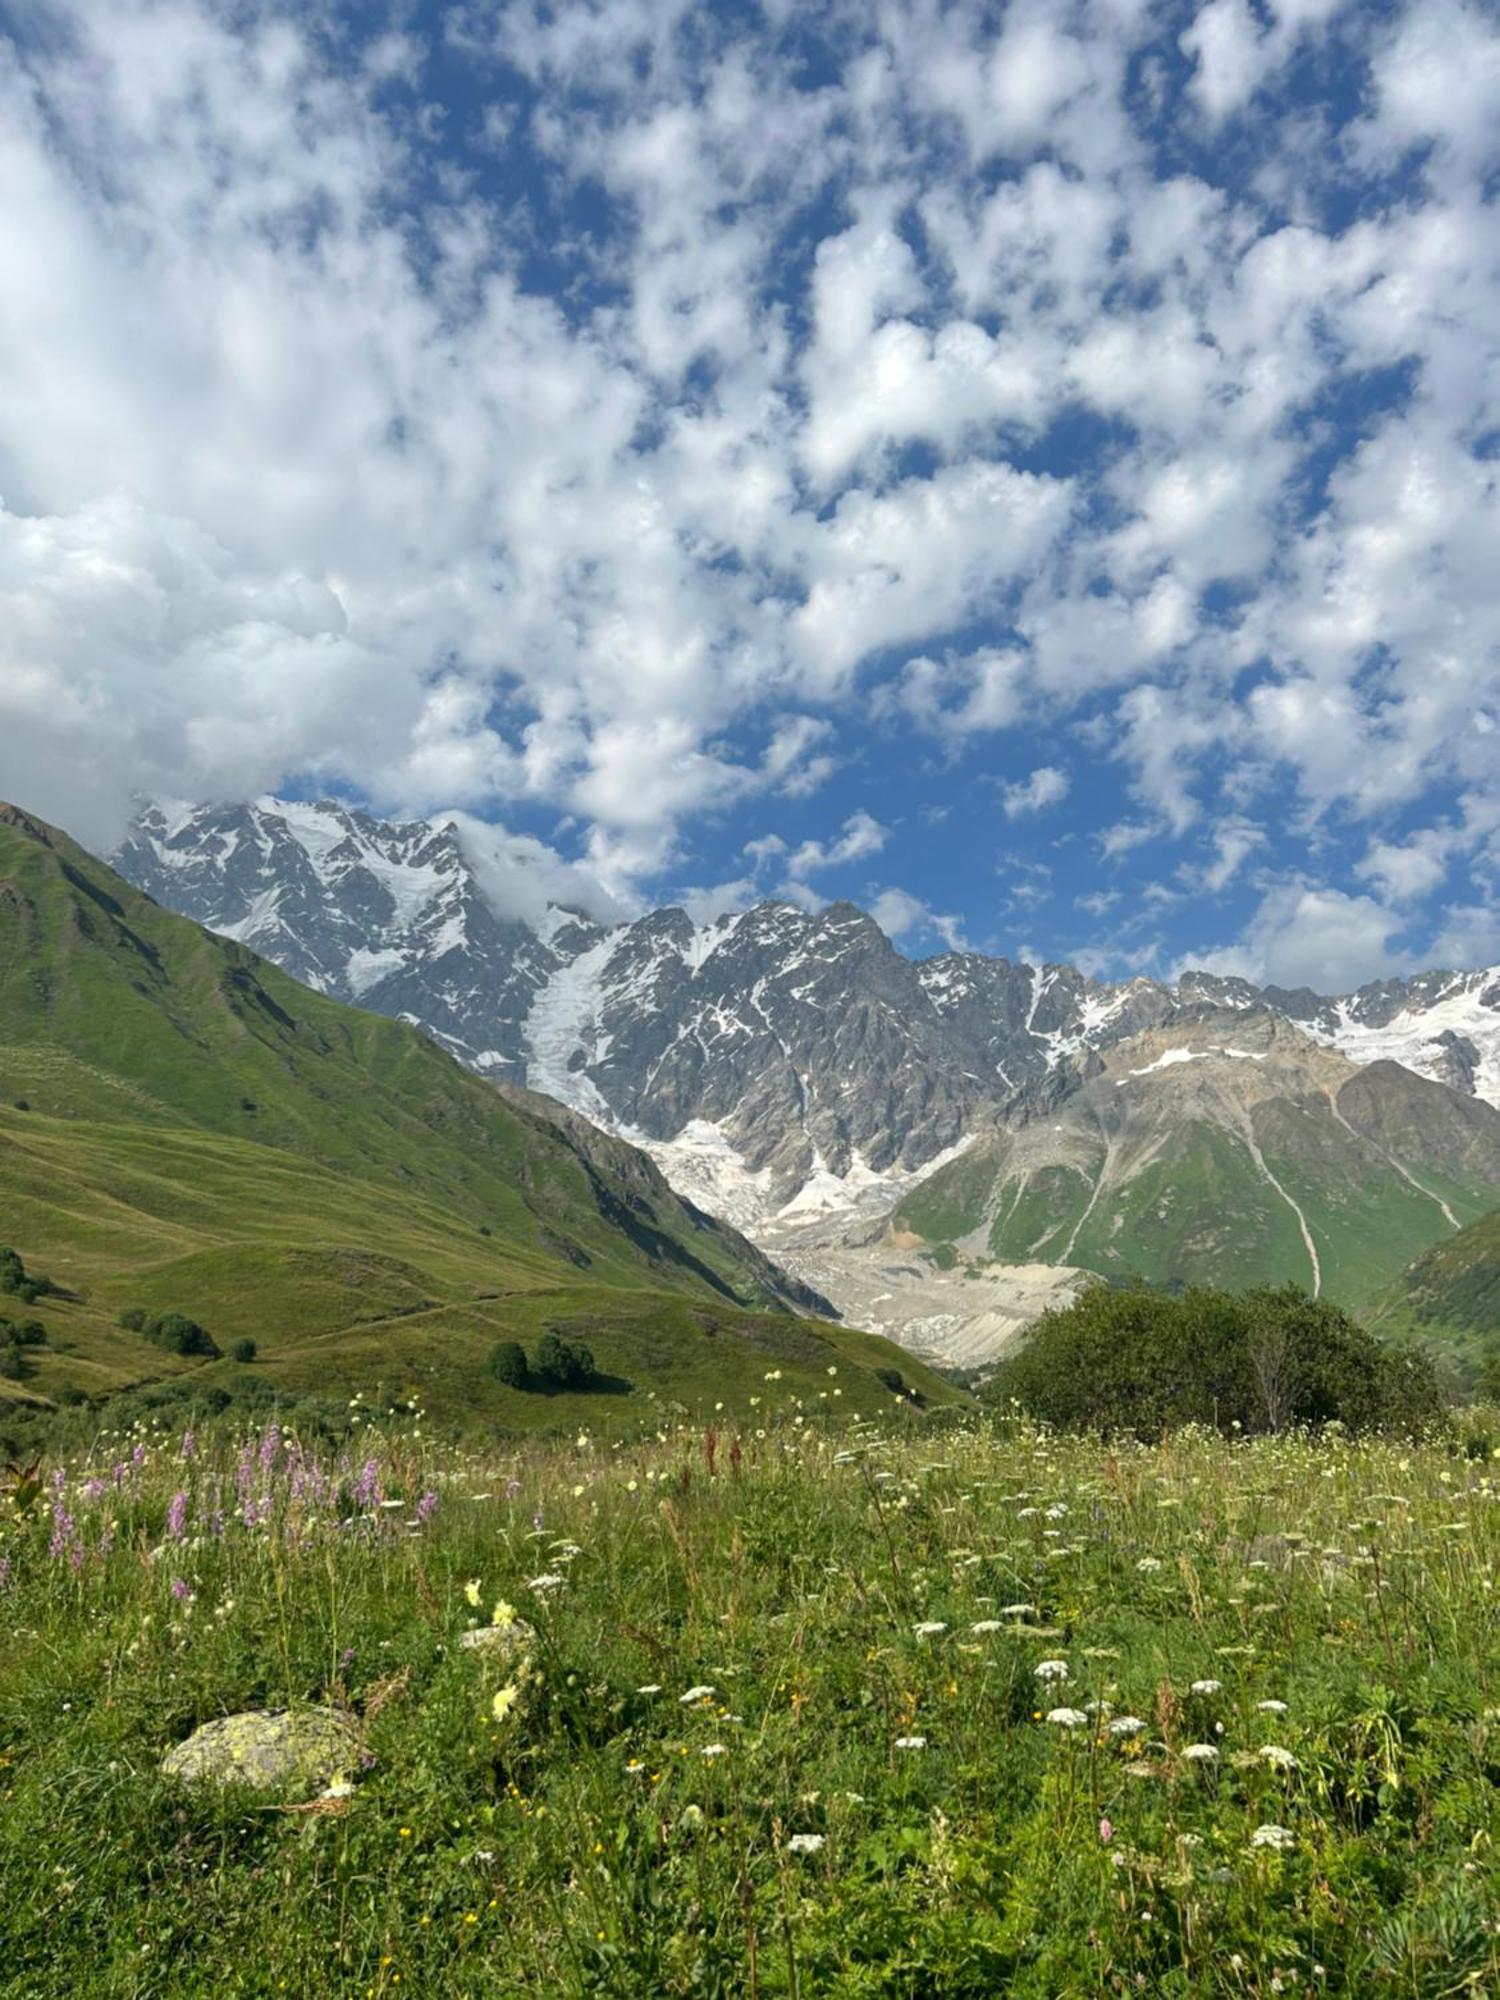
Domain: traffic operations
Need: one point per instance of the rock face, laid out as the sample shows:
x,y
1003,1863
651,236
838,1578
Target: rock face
x,y
1225,1149
774,1062
290,1754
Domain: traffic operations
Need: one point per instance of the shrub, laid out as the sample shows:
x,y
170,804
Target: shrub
x,y
242,1350
12,1366
563,1364
16,1282
23,1333
893,1380
1137,1360
174,1331
508,1364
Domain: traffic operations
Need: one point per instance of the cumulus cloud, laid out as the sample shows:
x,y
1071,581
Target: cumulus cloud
x,y
1306,934
862,835
618,439
902,915
1046,786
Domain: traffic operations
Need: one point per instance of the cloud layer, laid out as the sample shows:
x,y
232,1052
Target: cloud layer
x,y
638,422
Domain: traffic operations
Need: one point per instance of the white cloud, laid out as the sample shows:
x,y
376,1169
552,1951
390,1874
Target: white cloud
x,y
303,474
1230,54
900,915
1045,787
1307,934
862,835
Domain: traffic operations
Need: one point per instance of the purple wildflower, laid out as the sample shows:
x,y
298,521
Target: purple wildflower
x,y
426,1507
177,1515
270,1446
367,1492
180,1589
189,1446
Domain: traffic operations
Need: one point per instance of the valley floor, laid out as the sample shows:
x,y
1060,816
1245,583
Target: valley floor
x,y
870,1710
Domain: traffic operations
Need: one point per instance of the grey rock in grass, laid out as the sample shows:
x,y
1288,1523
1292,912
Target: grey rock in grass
x,y
292,1753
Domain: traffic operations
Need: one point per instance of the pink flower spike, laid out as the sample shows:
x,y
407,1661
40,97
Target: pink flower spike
x,y
1106,1831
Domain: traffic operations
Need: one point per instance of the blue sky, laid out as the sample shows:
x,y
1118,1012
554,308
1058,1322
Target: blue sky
x,y
1031,468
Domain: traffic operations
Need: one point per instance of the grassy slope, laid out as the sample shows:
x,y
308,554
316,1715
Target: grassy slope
x,y
1449,1297
202,1133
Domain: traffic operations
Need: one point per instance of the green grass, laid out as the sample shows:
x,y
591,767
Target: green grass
x,y
840,1591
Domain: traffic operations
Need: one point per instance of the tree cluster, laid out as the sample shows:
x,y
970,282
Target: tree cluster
x,y
172,1330
1265,1360
17,1282
555,1364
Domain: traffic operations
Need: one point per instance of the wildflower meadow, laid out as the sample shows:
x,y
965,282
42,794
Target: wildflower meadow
x,y
839,1709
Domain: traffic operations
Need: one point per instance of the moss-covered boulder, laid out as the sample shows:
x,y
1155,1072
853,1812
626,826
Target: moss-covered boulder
x,y
289,1753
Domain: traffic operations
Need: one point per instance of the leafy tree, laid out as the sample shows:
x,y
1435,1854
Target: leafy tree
x,y
23,1333
16,1282
133,1319
563,1364
508,1364
242,1350
12,1366
1138,1360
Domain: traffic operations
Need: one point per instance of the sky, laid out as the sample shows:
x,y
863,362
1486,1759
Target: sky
x,y
1029,468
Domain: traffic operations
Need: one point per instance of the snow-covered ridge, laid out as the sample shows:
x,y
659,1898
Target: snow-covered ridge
x,y
777,1062
1169,1058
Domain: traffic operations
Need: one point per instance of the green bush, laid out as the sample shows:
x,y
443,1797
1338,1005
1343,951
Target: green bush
x,y
1265,1360
23,1332
562,1364
508,1364
174,1331
12,1363
16,1282
242,1350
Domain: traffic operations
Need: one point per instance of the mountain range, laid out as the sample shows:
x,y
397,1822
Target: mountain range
x,y
775,1061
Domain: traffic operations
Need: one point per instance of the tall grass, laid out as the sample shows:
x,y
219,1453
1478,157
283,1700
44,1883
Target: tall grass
x,y
808,1712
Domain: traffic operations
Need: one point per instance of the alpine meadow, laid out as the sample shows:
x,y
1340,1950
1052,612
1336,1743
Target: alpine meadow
x,y
749,1000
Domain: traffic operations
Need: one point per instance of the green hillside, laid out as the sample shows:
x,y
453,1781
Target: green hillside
x,y
184,1128
1273,1165
1449,1297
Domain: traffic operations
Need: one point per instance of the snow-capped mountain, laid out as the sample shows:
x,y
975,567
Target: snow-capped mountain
x,y
775,1062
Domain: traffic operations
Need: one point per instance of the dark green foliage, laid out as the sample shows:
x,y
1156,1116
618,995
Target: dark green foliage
x,y
563,1364
508,1364
22,1332
172,1330
16,1282
892,1379
1264,1360
242,1350
12,1367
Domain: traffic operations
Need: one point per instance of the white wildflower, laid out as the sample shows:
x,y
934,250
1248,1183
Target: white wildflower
x,y
1206,1687
988,1625
1283,1760
696,1694
1067,1718
1126,1725
1271,1707
714,1750
1271,1835
1051,1670
929,1628
805,1843
911,1742
1201,1753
